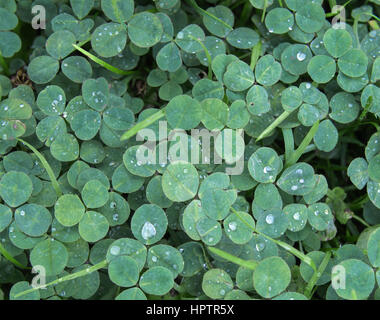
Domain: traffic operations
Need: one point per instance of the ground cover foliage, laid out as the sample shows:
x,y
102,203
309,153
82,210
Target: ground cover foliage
x,y
300,78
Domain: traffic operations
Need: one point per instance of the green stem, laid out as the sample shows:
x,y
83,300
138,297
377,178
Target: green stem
x,y
47,167
292,250
358,124
72,276
225,255
82,43
359,203
103,63
375,17
332,3
309,148
245,13
302,147
289,143
300,246
356,32
317,274
10,258
366,108
178,288
208,263
264,10
208,56
4,64
328,15
282,244
142,124
274,125
244,55
360,220
236,4
256,52
206,13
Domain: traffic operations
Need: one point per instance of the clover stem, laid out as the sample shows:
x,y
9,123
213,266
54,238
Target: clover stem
x,y
103,63
203,12
375,17
4,64
359,203
282,244
331,14
245,13
360,220
236,4
358,124
292,250
309,148
366,108
332,4
10,258
264,10
317,274
225,255
143,124
273,125
178,288
356,32
72,276
256,52
302,147
207,53
289,143
328,15
47,167
244,55
82,43
300,246
208,263
117,291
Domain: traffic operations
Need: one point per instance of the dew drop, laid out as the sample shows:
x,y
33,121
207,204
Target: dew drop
x,y
115,250
269,219
180,35
232,226
301,56
148,230
267,169
260,246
